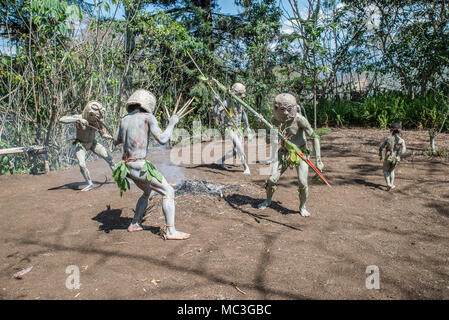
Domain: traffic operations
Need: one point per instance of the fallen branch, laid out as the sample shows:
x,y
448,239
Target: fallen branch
x,y
38,149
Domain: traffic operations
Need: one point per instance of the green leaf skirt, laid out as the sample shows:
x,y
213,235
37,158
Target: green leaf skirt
x,y
122,170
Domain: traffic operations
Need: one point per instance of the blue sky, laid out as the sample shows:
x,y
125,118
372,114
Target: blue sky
x,y
229,7
225,7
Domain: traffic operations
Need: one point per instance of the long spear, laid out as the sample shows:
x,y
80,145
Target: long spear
x,y
260,117
269,125
217,96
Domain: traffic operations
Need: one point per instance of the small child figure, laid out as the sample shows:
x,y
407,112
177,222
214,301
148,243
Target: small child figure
x,y
394,147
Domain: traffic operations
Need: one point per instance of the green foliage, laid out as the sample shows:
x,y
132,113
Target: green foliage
x,y
151,172
4,160
442,152
121,170
322,131
57,63
382,110
13,163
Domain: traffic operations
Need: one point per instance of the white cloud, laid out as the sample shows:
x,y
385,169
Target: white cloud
x,y
373,20
340,5
287,27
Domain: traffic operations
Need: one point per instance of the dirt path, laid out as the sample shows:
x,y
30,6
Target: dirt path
x,y
272,254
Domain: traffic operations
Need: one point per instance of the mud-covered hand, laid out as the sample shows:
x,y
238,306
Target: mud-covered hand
x,y
82,123
249,133
180,113
174,119
259,118
107,136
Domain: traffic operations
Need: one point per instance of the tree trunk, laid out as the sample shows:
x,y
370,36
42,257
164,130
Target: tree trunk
x,y
314,103
432,136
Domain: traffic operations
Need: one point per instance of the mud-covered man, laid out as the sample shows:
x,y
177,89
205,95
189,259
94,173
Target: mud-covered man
x,y
87,124
134,132
394,147
290,122
231,115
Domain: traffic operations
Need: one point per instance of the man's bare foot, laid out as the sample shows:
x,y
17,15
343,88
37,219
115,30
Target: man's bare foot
x,y
304,213
177,235
89,187
389,188
133,227
264,204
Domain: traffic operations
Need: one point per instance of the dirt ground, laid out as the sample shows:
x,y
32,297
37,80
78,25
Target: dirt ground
x,y
237,251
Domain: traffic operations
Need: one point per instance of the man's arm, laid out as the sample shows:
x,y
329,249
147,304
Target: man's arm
x,y
77,119
102,131
245,119
305,125
382,147
219,107
118,136
70,119
162,137
403,149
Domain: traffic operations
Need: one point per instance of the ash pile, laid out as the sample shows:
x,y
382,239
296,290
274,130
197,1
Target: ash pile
x,y
196,187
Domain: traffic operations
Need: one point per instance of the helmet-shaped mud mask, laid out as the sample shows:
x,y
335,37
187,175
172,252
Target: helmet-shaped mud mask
x,y
285,107
143,98
93,112
238,89
396,128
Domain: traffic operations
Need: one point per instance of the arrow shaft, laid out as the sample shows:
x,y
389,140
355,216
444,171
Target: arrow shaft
x,y
269,125
311,165
259,116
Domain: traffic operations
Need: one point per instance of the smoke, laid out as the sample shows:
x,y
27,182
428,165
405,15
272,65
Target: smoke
x,y
160,157
173,173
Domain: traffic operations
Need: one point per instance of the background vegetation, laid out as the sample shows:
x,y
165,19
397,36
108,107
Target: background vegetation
x,y
351,63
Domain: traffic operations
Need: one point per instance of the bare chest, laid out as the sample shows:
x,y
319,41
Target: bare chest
x,y
85,135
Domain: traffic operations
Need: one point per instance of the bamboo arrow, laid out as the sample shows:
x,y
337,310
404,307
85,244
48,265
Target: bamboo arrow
x,y
216,95
269,125
259,116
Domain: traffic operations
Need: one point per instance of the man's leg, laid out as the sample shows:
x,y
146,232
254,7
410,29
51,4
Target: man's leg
x,y
168,202
274,148
81,157
303,188
270,186
227,155
238,147
387,174
141,206
387,179
393,167
101,151
392,179
168,208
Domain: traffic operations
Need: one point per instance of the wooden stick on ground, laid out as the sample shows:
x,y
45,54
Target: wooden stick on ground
x,y
23,149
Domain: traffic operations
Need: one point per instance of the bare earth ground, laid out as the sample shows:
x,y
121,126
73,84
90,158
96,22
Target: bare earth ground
x,y
47,223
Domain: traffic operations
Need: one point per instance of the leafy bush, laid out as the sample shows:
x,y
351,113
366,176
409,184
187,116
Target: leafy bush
x,y
382,110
